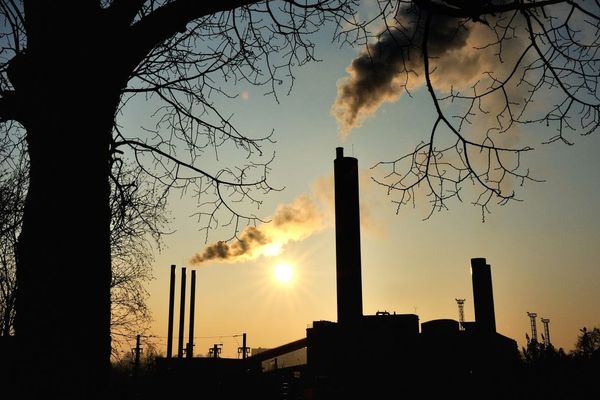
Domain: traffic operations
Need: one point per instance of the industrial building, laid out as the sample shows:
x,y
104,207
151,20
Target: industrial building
x,y
386,355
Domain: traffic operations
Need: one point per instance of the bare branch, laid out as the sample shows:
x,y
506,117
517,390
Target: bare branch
x,y
526,53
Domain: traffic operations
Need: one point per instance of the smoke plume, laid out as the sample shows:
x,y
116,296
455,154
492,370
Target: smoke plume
x,y
291,222
306,215
394,64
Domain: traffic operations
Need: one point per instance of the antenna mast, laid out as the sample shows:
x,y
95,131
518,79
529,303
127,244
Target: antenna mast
x,y
532,316
461,313
546,323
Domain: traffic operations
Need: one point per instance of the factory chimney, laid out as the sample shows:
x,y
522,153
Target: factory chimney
x,y
189,353
347,239
181,314
171,305
483,296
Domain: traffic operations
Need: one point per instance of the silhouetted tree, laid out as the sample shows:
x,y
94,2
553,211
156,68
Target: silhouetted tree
x,y
586,363
68,70
130,380
138,220
124,363
13,183
588,343
545,372
540,355
551,373
532,353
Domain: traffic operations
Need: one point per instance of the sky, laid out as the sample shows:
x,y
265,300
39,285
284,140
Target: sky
x,y
543,250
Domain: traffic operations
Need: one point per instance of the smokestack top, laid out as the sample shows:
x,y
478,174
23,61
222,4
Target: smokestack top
x,y
339,156
478,260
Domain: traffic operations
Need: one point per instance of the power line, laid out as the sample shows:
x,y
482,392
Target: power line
x,y
195,337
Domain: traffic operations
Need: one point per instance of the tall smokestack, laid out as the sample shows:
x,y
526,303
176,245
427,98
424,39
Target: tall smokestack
x,y
171,305
347,239
181,314
483,296
190,349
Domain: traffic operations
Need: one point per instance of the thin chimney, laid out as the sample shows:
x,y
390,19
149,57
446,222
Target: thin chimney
x,y
347,239
190,350
181,314
171,305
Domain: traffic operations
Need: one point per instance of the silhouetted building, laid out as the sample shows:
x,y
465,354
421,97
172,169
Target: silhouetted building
x,y
373,356
386,354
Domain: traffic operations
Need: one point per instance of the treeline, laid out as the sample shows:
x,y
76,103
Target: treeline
x,y
552,373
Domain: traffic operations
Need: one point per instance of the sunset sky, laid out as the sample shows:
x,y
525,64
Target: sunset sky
x,y
543,251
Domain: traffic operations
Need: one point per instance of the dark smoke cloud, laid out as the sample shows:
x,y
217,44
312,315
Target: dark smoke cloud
x,y
250,238
394,63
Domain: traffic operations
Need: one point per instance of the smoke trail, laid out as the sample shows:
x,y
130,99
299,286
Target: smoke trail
x,y
393,64
297,220
250,238
306,215
291,222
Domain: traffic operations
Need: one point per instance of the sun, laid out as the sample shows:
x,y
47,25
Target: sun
x,y
284,273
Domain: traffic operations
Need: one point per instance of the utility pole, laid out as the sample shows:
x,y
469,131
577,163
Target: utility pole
x,y
214,351
136,356
532,316
461,313
244,350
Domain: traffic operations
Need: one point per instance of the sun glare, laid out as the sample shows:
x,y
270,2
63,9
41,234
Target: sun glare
x,y
272,249
284,273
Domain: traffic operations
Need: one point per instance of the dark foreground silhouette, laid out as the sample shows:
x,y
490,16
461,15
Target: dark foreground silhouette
x,y
553,375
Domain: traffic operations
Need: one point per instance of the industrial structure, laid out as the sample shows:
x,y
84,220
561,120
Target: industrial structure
x,y
532,316
461,313
546,323
378,355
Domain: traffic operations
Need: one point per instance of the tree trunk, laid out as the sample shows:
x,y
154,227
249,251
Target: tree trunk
x,y
69,81
67,85
64,268
64,265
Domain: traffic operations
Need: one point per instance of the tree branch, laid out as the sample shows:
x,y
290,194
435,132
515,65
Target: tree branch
x,y
471,9
8,106
134,143
168,20
124,11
